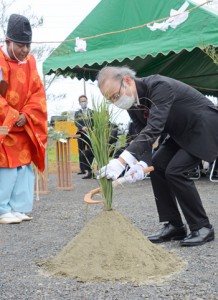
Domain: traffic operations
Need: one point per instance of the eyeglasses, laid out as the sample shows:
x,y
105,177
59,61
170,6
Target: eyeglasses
x,y
116,96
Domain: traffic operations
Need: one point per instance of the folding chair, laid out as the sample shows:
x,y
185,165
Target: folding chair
x,y
196,174
211,172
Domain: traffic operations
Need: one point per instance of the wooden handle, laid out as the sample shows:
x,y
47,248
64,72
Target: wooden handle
x,y
3,87
125,179
148,169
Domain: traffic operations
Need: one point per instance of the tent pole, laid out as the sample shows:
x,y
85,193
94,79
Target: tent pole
x,y
84,86
41,182
43,80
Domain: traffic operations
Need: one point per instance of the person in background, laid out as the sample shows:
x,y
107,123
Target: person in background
x,y
130,135
23,111
88,154
82,120
190,121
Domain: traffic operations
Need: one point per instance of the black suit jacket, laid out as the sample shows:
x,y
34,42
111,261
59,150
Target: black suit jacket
x,y
168,105
82,120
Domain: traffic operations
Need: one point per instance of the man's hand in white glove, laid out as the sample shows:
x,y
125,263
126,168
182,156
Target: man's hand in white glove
x,y
136,172
111,170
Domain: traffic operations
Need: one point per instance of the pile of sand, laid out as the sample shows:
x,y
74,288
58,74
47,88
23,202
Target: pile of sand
x,y
110,248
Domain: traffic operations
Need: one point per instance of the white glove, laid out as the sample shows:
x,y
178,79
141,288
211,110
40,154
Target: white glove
x,y
128,157
136,172
111,170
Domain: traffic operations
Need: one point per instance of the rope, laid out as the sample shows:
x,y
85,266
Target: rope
x,y
140,26
123,30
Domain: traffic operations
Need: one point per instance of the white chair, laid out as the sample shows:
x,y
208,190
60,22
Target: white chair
x,y
211,172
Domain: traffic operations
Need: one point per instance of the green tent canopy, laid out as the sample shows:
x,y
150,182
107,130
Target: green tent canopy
x,y
180,52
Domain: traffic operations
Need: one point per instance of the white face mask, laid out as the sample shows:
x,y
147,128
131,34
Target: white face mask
x,y
83,105
125,102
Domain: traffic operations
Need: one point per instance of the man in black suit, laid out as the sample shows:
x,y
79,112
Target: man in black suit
x,y
158,104
83,119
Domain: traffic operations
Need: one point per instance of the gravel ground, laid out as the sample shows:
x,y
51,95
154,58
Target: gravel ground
x,y
60,215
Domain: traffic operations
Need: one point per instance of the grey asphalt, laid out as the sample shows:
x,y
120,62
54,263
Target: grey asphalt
x,y
60,215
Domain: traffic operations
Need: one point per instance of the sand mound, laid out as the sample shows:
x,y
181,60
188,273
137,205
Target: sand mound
x,y
110,248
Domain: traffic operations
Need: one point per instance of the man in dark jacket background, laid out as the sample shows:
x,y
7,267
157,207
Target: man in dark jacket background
x,y
158,104
82,120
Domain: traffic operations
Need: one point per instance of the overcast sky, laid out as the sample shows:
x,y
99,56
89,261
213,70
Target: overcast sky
x,y
60,17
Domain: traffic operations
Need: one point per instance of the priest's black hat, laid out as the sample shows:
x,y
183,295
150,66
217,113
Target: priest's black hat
x,y
19,29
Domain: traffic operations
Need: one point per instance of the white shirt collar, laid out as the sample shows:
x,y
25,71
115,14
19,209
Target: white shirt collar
x,y
4,49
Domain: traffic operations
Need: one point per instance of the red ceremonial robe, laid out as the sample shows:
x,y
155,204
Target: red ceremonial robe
x,y
24,95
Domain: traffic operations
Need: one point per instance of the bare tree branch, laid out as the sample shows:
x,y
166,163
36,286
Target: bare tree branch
x,y
4,7
39,51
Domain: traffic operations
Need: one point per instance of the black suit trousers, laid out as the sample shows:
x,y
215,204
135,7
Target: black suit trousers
x,y
171,186
84,145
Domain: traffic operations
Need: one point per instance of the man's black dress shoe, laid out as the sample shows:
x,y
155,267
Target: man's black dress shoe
x,y
168,233
88,176
80,173
199,237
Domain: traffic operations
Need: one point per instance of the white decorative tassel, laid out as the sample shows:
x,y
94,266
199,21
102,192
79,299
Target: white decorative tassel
x,y
80,45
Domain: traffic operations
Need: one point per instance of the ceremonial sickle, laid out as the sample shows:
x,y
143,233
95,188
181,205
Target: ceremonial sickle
x,y
88,197
3,87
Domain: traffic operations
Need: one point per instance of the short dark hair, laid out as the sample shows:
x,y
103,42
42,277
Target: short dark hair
x,y
82,96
